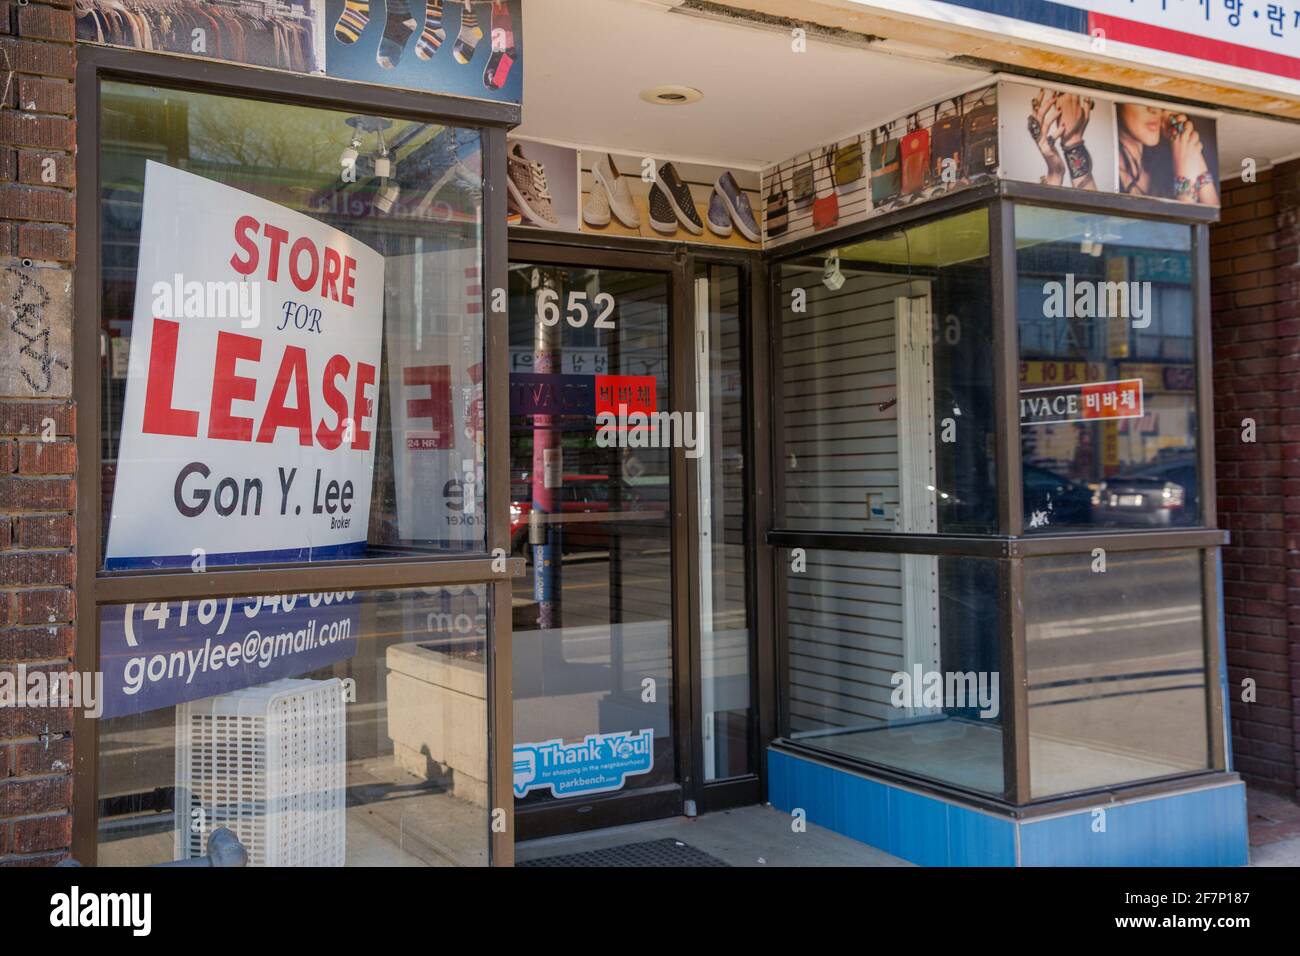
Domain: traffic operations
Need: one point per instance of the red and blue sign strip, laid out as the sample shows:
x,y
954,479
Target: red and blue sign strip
x,y
1123,30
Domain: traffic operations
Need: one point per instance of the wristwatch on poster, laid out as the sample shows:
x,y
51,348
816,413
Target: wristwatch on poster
x,y
1079,160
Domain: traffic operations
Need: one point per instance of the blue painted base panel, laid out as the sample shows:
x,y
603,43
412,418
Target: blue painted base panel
x,y
1205,826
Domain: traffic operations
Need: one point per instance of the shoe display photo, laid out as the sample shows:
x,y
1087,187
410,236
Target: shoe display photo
x,y
737,206
719,218
526,184
595,211
663,217
616,191
679,197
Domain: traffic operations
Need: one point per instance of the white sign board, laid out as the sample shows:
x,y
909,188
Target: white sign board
x,y
252,385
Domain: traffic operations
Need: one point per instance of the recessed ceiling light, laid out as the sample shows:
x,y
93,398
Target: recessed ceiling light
x,y
671,95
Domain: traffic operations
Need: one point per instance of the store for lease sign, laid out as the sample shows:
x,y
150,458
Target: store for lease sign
x,y
248,425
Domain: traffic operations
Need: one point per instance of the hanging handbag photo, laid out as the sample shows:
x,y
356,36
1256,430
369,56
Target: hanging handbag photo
x,y
980,133
804,185
945,144
916,157
848,164
886,171
826,209
776,218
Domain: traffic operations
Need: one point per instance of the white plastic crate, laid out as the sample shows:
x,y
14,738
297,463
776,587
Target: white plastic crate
x,y
267,762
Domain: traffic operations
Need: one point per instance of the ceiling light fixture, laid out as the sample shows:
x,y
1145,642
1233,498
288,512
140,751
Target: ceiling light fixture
x,y
672,95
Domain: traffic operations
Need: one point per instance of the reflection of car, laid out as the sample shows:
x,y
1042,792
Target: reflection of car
x,y
577,495
1052,499
1158,495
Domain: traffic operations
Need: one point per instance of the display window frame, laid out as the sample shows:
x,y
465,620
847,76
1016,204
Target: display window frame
x,y
95,587
1009,544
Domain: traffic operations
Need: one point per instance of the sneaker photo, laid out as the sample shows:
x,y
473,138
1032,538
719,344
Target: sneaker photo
x,y
663,218
526,183
737,204
616,191
679,196
719,218
595,211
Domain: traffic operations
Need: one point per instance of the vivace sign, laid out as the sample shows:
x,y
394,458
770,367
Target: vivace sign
x,y
248,425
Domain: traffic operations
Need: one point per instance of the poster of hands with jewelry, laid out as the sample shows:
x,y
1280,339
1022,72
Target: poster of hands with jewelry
x,y
468,48
1074,138
1057,137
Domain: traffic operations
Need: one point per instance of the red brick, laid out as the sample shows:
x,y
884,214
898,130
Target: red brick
x,y
44,606
20,797
28,568
29,418
41,168
51,642
45,242
43,59
31,129
47,458
44,531
36,494
35,204
42,833
38,94
39,22
34,758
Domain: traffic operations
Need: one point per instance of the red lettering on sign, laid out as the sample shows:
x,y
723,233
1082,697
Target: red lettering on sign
x,y
336,265
160,418
361,406
228,386
331,438
436,406
278,415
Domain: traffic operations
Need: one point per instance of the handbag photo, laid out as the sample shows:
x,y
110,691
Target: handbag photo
x,y
848,164
776,219
826,209
886,170
916,157
945,143
980,133
804,186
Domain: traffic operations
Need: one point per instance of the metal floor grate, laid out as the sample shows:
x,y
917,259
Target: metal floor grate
x,y
667,852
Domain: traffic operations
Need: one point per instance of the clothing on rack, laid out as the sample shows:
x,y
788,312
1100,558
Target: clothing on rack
x,y
257,32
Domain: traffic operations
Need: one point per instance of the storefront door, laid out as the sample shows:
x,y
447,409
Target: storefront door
x,y
594,475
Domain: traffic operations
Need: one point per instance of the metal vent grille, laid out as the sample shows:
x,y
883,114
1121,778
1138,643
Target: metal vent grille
x,y
668,852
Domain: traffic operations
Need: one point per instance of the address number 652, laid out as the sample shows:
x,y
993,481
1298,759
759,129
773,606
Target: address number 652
x,y
576,312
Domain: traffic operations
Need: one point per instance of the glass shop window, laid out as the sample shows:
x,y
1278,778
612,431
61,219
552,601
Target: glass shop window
x,y
330,729
892,659
887,411
291,333
1108,423
1115,669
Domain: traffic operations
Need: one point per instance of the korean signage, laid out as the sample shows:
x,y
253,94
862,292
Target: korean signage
x,y
249,418
165,653
1091,401
1223,37
585,395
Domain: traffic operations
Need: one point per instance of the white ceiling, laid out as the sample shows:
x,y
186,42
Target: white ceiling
x,y
587,61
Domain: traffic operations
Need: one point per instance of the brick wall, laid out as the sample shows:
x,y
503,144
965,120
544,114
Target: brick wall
x,y
37,454
1255,286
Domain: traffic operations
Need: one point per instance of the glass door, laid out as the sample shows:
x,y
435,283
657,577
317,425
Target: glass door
x,y
593,441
